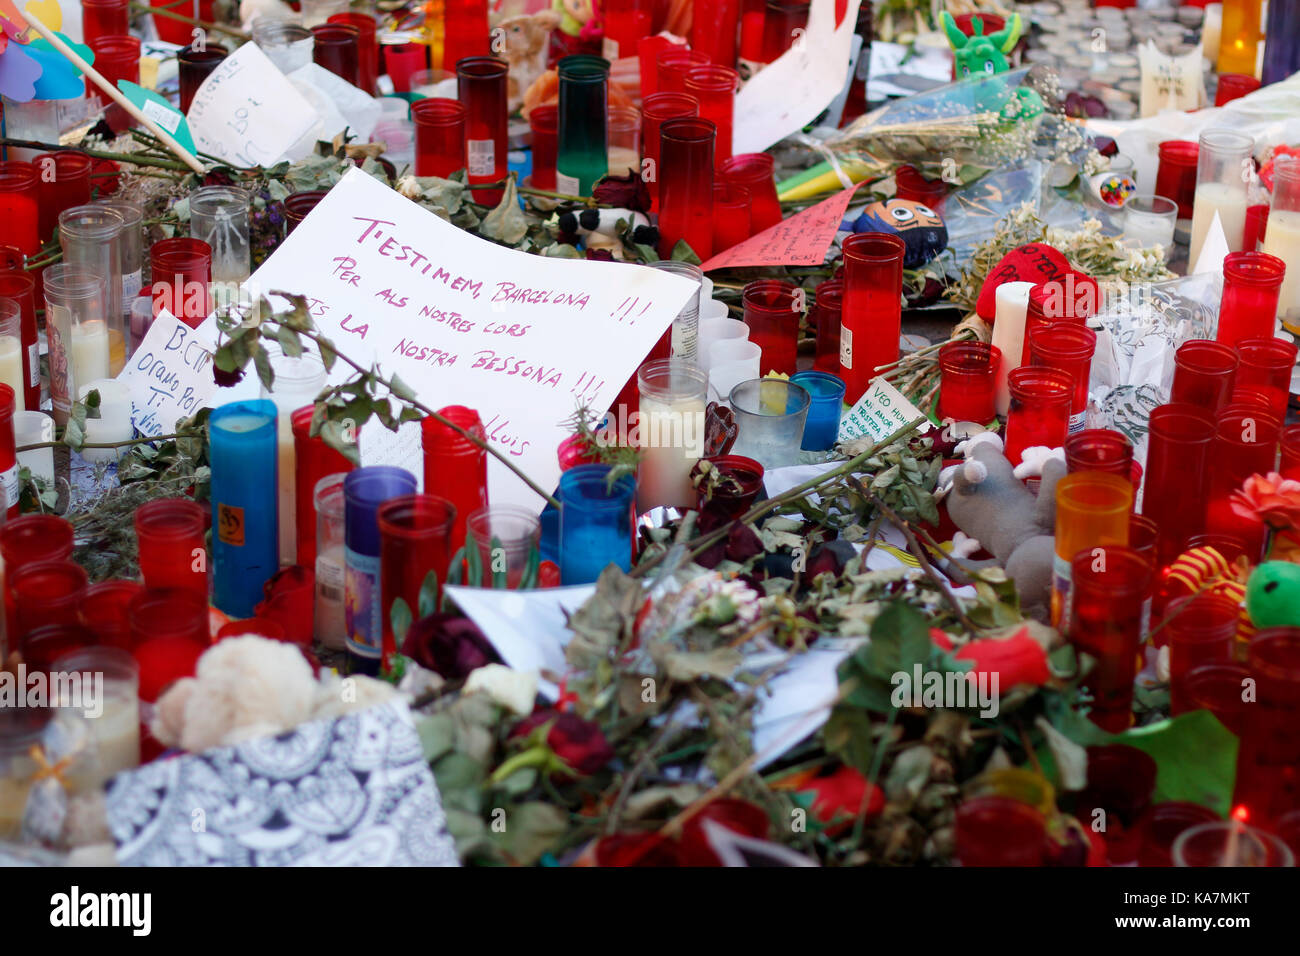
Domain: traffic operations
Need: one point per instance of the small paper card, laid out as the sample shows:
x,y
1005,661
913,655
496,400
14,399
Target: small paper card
x,y
350,791
801,240
169,376
881,411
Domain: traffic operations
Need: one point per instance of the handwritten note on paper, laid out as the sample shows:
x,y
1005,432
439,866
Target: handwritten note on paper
x,y
463,321
801,240
790,92
881,411
248,112
169,376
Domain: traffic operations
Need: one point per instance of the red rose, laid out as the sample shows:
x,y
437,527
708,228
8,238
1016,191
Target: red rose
x,y
838,796
623,192
578,743
291,602
103,176
448,645
1018,659
637,849
739,816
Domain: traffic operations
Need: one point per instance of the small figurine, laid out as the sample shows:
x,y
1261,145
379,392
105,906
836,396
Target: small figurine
x,y
1273,595
527,40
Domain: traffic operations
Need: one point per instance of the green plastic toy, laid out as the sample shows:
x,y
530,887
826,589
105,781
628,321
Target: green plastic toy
x,y
1273,595
979,54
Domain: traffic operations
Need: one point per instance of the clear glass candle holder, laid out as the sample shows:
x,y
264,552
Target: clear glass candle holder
x,y
20,287
770,418
623,129
1221,176
76,304
287,44
671,424
1149,221
12,372
219,216
1282,237
91,239
505,537
1229,843
298,381
112,678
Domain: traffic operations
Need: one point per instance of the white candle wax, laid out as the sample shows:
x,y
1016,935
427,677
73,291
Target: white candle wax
x,y
89,351
672,437
11,368
1282,239
623,161
113,423
1012,302
1147,229
1211,29
33,428
1229,201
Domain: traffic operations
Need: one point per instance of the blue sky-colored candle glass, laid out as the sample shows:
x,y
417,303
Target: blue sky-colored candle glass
x,y
245,532
595,523
364,490
822,426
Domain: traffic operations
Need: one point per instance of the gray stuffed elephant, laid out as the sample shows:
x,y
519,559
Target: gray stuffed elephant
x,y
989,503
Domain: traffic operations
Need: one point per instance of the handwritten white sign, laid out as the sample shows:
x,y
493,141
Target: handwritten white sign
x,y
521,338
790,92
169,375
881,411
248,112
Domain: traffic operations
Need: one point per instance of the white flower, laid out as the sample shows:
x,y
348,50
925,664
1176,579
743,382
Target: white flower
x,y
516,691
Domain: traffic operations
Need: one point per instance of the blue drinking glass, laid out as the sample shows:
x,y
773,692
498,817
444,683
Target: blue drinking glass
x,y
364,490
822,426
245,539
595,523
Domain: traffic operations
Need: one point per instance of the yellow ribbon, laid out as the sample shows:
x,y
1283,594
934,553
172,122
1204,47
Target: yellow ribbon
x,y
45,768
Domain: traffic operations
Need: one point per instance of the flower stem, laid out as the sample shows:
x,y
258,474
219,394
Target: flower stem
x,y
137,159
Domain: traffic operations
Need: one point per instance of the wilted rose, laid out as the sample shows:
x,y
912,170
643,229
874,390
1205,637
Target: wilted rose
x,y
578,743
449,645
623,192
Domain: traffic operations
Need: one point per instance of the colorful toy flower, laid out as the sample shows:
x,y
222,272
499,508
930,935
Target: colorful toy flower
x,y
1270,498
30,68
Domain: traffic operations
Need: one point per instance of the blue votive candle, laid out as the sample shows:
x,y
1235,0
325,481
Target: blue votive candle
x,y
364,490
595,523
245,532
822,426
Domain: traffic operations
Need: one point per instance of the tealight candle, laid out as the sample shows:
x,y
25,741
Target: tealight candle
x,y
1149,221
245,480
1011,305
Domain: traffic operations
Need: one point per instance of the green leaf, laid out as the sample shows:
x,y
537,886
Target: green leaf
x,y
528,579
400,618
327,353
682,252
265,373
457,562
289,342
1196,759
507,222
401,389
847,734
437,734
474,566
428,602
530,830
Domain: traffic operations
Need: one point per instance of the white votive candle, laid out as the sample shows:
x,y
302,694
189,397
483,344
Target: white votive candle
x,y
89,351
113,423
1011,304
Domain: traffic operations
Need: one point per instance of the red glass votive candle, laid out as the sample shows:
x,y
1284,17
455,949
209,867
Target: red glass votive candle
x,y
686,185
170,533
626,23
104,18
19,206
752,15
298,205
871,320
1109,591
313,460
1248,308
714,26
338,49
465,31
1245,444
715,88
999,831
8,452
117,57
178,31
1161,825
1121,780
655,110
1068,347
647,53
544,121
42,646
195,66
104,610
781,19
402,60
1204,374
1268,761
828,303
1233,86
1265,369
968,378
181,268
741,480
367,47
1225,690
1099,449
439,136
455,469
21,287
754,172
47,592
1142,538
414,541
169,632
1047,306
1290,441
913,186
1176,174
34,538
730,216
1040,409
673,64
63,181
1177,474
772,313
1200,630
481,89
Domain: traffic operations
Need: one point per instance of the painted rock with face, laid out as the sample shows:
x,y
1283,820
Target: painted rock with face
x,y
919,226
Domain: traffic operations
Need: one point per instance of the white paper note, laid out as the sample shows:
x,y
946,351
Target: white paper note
x,y
521,338
248,112
790,92
169,375
880,412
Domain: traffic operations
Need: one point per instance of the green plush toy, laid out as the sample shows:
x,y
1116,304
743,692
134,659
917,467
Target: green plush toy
x,y
980,55
1273,595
